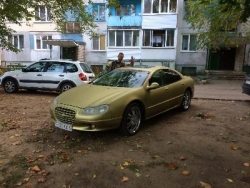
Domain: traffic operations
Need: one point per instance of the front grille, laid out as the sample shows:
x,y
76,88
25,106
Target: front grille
x,y
65,115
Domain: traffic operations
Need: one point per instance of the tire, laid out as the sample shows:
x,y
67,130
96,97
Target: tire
x,y
186,102
10,86
66,87
132,119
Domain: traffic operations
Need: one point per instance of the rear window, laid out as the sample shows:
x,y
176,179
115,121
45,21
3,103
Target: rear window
x,y
86,68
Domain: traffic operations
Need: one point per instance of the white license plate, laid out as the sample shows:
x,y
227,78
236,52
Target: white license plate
x,y
64,126
247,82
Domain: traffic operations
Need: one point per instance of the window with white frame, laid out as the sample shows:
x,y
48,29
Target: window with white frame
x,y
123,38
188,42
39,42
42,13
72,27
160,6
158,38
99,43
98,11
126,10
17,41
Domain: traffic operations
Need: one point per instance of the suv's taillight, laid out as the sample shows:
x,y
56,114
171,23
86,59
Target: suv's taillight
x,y
83,77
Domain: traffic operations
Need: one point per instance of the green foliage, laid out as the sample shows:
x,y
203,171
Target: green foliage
x,y
217,21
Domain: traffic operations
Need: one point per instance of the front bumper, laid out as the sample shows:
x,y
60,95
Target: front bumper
x,y
246,89
83,123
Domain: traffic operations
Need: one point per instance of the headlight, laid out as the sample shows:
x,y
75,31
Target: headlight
x,y
96,110
54,103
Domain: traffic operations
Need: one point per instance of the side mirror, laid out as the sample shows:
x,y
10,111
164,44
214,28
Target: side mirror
x,y
24,70
154,85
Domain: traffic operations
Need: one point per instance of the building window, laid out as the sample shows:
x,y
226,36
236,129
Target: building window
x,y
17,41
121,38
160,6
72,27
42,13
188,43
158,38
99,43
40,44
98,11
126,10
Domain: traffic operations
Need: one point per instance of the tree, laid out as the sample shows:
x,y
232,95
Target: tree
x,y
220,23
14,11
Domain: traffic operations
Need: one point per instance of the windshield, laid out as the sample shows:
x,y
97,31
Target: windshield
x,y
122,78
86,68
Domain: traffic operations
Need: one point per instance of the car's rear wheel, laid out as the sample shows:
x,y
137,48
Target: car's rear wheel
x,y
132,119
186,100
10,86
66,87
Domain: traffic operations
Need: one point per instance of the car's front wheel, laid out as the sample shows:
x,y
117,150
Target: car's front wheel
x,y
10,86
132,119
186,100
66,87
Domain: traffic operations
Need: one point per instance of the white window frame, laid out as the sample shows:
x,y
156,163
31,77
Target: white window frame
x,y
43,18
123,36
100,14
41,38
153,38
99,43
188,43
160,8
17,41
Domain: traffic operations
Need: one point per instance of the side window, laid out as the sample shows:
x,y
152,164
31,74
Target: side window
x,y
171,76
36,67
55,67
71,67
158,77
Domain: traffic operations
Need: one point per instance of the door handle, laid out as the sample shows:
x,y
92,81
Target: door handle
x,y
61,75
39,74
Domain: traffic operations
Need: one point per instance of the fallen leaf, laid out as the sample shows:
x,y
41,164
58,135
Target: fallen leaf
x,y
230,180
94,176
186,173
247,164
41,180
173,166
205,185
35,168
16,143
124,179
138,174
182,158
25,179
234,147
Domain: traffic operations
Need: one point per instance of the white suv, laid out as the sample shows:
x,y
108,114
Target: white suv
x,y
54,75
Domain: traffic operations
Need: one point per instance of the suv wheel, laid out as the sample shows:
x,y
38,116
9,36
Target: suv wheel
x,y
10,86
66,87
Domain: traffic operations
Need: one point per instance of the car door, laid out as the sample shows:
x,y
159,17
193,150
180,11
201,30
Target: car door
x,y
53,75
174,87
32,76
157,99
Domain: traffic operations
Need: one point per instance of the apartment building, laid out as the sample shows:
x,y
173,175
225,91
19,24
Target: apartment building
x,y
154,32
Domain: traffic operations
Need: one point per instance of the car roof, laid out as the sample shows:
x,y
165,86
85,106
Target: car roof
x,y
147,68
60,60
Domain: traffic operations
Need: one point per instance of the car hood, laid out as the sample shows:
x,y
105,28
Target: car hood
x,y
15,72
92,95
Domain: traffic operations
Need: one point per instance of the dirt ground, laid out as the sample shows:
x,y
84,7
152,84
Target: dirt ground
x,y
207,146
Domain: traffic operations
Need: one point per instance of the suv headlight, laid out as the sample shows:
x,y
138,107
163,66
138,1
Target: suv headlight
x,y
54,103
96,110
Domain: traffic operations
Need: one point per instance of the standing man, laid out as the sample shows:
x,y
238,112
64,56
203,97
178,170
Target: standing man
x,y
118,63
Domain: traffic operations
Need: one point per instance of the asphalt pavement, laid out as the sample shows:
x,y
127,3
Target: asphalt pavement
x,y
220,90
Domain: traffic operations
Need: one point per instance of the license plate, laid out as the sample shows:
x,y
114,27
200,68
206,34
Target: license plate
x,y
247,82
64,126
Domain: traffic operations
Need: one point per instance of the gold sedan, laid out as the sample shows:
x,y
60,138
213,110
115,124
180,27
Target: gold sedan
x,y
122,99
